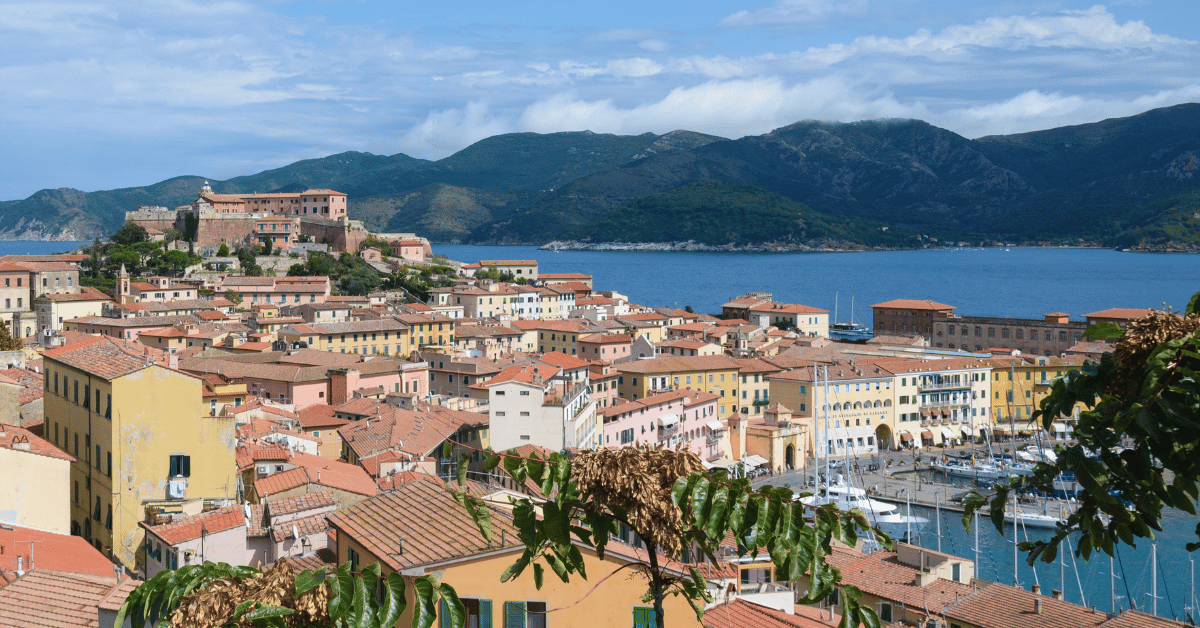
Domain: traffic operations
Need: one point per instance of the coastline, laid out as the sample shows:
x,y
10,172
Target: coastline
x,y
691,246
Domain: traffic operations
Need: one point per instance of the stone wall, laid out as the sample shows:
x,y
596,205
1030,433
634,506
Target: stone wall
x,y
159,218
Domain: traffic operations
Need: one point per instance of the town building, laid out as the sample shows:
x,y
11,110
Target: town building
x,y
35,486
1119,316
909,317
1053,335
526,268
535,404
134,427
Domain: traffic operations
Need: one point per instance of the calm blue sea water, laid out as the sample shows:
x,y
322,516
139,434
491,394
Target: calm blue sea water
x,y
1021,282
1132,569
31,247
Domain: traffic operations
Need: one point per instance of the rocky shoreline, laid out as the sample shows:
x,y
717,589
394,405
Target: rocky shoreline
x,y
691,246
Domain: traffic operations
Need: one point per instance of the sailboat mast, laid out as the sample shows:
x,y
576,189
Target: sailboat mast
x,y
1112,586
937,504
825,410
1016,562
1154,579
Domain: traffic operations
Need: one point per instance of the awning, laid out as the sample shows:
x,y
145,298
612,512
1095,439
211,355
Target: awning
x,y
756,461
719,463
668,420
926,435
925,414
1059,427
715,425
906,436
966,429
947,432
1002,428
985,427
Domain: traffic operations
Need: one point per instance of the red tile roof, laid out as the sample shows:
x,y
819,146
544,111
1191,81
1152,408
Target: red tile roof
x,y
914,304
419,524
745,614
317,471
299,503
56,599
1124,313
17,438
1003,606
48,550
105,357
195,526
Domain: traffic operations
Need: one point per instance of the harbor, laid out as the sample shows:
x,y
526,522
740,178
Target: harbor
x,y
1137,577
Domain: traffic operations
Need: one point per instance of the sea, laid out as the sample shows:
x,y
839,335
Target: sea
x,y
1012,282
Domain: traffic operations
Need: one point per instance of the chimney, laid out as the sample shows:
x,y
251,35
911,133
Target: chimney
x,y
1056,594
1037,606
1036,589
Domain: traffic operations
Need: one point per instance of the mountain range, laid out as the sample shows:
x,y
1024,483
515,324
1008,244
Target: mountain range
x,y
1127,182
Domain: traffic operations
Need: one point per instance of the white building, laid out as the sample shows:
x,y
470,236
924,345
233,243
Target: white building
x,y
534,403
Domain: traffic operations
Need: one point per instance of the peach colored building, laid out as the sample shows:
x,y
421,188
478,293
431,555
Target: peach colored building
x,y
278,290
411,250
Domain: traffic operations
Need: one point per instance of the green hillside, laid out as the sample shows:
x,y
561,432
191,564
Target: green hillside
x,y
718,213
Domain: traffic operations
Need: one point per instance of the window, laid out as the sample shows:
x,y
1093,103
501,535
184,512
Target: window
x,y
181,465
643,617
524,615
352,556
885,612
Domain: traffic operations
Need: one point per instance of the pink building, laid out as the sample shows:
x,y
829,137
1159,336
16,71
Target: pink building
x,y
607,347
323,203
278,290
125,328
672,418
277,233
411,250
160,290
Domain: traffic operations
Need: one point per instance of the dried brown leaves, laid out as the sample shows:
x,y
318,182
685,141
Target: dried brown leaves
x,y
638,481
1140,339
216,602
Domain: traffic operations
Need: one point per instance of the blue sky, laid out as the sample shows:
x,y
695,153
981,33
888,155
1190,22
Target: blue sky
x,y
100,95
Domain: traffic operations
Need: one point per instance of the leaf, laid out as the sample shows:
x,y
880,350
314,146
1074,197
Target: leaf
x,y
491,461
341,592
267,612
538,574
716,524
425,602
516,568
461,471
1193,306
362,609
307,580
458,610
447,447
394,601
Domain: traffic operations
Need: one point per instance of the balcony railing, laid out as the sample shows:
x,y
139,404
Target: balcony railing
x,y
942,385
762,402
943,404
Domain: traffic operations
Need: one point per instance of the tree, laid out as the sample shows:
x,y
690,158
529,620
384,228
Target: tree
x,y
223,250
130,233
233,296
7,342
662,495
1144,395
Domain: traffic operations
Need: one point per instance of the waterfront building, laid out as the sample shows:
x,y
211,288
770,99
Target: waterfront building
x,y
1119,316
526,268
1053,335
717,374
1018,385
859,400
909,317
675,418
940,402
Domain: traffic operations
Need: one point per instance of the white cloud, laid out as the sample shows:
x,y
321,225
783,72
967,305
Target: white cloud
x,y
653,45
794,12
446,131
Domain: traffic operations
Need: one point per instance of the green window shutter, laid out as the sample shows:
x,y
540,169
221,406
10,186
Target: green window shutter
x,y
514,615
485,614
443,615
643,617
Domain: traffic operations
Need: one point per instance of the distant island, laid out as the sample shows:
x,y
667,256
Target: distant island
x,y
1125,183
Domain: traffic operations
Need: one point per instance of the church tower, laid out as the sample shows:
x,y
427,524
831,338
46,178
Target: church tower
x,y
122,286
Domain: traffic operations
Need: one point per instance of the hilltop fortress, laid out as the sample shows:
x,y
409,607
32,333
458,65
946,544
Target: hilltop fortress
x,y
279,219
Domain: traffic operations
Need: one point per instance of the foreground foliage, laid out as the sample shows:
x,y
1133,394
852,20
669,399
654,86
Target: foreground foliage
x,y
663,496
1137,444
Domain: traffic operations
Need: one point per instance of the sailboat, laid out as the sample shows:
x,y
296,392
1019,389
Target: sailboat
x,y
845,496
847,331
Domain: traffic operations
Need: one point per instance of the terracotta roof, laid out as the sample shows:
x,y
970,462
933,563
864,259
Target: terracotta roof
x,y
320,415
1124,313
671,364
606,339
745,614
323,557
55,599
195,526
48,550
348,327
787,308
86,293
881,574
298,528
914,304
299,503
105,357
420,523
553,276
318,471
563,361
1003,606
18,438
412,432
257,524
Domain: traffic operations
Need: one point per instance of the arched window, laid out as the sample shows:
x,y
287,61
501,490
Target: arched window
x,y
837,407
878,403
887,403
857,405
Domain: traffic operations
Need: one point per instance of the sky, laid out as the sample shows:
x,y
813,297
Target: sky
x,y
98,94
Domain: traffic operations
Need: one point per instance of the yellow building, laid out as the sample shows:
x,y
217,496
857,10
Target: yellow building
x,y
386,336
561,336
418,529
140,434
428,331
1019,383
35,485
860,400
716,374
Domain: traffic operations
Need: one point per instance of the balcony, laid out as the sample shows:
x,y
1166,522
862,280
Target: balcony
x,y
943,385
762,402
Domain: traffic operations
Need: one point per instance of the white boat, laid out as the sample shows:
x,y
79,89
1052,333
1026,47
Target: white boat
x,y
882,515
1031,519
